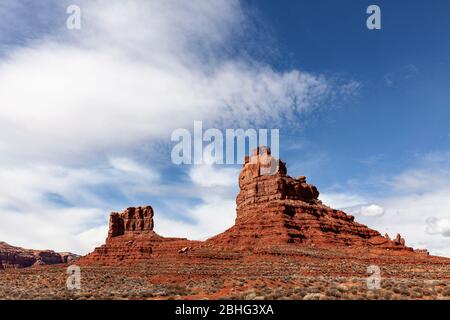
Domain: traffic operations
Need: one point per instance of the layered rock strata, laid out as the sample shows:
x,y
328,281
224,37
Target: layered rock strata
x,y
16,257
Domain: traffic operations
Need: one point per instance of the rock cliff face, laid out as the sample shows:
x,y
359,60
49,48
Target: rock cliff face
x,y
131,221
15,257
273,209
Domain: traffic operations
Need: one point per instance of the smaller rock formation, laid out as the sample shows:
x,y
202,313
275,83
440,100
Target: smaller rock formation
x,y
68,257
422,251
184,250
132,221
15,257
131,238
399,240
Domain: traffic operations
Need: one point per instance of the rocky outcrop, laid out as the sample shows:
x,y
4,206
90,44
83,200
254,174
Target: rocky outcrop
x,y
274,208
15,257
131,238
68,257
399,240
132,221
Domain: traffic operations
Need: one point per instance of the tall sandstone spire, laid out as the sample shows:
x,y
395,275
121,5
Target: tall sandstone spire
x,y
274,208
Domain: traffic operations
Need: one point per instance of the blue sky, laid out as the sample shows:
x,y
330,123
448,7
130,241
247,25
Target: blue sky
x,y
87,115
394,122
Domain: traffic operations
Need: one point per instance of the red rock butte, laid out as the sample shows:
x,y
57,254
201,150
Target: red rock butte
x,y
275,213
16,257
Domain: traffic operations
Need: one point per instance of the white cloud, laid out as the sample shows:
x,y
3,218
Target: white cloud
x,y
57,207
370,210
421,180
416,205
341,200
91,238
405,73
136,71
209,218
409,214
131,168
421,218
210,176
26,187
66,229
215,187
438,226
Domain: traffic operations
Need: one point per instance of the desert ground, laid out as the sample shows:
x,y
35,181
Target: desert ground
x,y
304,273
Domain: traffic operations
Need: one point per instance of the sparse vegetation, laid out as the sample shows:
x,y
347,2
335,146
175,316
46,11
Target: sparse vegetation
x,y
318,276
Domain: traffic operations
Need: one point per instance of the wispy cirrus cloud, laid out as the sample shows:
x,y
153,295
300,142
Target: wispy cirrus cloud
x,y
131,68
403,74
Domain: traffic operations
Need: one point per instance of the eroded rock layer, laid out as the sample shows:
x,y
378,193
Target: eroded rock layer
x,y
16,257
